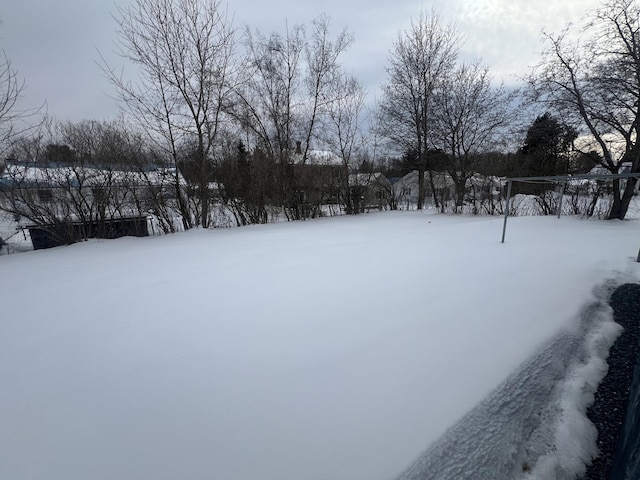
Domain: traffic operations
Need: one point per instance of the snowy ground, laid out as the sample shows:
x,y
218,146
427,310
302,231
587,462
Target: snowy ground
x,y
332,349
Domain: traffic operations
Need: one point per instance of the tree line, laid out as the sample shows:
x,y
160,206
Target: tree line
x,y
234,115
446,114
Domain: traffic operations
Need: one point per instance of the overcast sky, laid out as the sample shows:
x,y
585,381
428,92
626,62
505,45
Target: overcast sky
x,y
54,45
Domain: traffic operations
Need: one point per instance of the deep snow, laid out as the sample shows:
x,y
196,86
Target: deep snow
x,y
339,348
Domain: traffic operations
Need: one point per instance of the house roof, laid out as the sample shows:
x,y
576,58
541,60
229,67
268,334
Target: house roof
x,y
614,142
317,157
367,179
38,175
440,179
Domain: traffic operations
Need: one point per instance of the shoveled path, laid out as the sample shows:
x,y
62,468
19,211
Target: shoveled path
x,y
506,435
618,396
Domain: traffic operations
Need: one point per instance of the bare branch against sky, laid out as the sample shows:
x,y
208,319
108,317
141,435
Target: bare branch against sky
x,y
54,45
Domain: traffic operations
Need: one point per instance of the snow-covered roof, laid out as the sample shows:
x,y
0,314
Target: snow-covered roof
x,y
366,179
75,175
599,170
440,179
480,179
614,142
317,157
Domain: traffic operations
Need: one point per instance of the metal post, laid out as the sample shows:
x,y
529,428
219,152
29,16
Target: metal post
x,y
506,210
562,190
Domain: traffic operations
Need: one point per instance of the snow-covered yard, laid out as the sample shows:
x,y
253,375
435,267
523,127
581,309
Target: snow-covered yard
x,y
332,349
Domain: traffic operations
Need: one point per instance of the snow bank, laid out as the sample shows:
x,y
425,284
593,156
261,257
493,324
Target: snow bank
x,y
337,348
574,435
534,425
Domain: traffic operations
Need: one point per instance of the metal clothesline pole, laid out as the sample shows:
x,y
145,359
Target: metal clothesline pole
x,y
562,179
561,191
506,210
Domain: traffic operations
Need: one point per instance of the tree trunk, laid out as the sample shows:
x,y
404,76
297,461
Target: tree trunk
x,y
204,200
421,187
460,190
621,203
432,184
182,203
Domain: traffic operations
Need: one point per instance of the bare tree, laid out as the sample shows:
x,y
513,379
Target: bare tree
x,y
90,180
470,118
266,104
184,51
15,123
247,184
290,86
323,79
344,116
420,59
594,84
10,89
29,146
342,125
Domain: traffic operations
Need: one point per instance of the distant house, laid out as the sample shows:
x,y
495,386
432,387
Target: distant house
x,y
61,204
370,191
484,187
318,178
405,190
41,177
623,167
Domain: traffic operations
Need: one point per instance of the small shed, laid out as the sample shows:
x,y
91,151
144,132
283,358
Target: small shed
x,y
66,233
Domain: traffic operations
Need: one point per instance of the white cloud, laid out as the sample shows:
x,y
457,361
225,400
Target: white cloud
x,y
54,45
507,34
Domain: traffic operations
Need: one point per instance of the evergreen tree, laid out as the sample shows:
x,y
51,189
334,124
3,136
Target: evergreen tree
x,y
547,148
